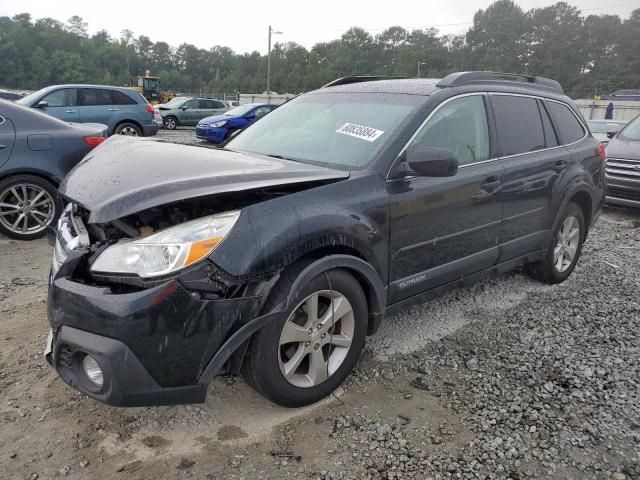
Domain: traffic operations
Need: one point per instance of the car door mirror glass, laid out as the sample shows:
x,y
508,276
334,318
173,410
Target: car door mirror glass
x,y
433,162
611,134
42,104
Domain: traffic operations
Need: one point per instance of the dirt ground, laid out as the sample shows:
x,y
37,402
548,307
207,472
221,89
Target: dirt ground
x,y
48,430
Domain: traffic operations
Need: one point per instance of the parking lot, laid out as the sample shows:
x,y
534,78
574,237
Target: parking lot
x,y
506,379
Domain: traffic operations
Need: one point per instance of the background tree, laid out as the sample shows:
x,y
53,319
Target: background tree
x,y
588,55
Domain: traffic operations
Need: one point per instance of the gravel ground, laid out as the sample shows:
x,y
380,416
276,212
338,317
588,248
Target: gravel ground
x,y
508,379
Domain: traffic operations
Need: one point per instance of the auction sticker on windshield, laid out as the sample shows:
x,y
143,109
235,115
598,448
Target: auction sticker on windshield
x,y
360,131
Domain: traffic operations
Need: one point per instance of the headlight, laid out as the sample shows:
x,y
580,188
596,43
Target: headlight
x,y
219,123
168,250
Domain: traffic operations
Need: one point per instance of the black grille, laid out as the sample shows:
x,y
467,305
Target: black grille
x,y
64,355
623,168
624,193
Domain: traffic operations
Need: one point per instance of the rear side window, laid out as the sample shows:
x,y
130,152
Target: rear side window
x,y
518,124
95,96
120,98
211,104
569,127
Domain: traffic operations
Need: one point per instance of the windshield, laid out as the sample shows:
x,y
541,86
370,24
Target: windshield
x,y
605,127
338,129
631,131
176,102
239,111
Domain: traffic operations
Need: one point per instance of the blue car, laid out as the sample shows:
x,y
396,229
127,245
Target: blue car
x,y
124,110
218,128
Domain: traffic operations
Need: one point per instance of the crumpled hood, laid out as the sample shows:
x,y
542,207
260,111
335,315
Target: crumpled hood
x,y
127,175
214,118
618,148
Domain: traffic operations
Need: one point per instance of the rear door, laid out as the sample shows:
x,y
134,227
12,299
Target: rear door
x,y
96,106
62,104
208,108
7,139
533,163
445,228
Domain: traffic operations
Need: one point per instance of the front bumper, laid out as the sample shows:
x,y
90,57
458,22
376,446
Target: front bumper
x,y
155,346
211,134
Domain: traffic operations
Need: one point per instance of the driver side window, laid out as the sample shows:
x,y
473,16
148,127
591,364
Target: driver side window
x,y
460,126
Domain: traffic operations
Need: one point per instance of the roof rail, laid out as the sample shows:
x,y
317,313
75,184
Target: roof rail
x,y
358,79
496,78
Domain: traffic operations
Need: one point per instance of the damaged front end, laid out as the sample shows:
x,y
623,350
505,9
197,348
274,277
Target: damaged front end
x,y
140,314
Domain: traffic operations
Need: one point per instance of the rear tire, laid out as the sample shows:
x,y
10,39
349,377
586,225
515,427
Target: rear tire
x,y
129,129
170,122
564,248
292,370
28,206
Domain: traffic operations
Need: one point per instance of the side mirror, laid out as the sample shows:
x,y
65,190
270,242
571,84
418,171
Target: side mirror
x,y
611,134
42,104
184,107
433,162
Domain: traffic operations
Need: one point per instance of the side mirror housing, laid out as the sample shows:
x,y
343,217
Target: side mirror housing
x,y
433,162
184,107
42,104
611,134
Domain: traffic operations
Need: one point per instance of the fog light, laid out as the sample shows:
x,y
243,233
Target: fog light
x,y
92,370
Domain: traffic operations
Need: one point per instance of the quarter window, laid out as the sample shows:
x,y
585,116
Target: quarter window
x,y
459,126
569,127
518,124
549,133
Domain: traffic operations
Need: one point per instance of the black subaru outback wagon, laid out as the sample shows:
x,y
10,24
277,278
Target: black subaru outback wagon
x,y
277,255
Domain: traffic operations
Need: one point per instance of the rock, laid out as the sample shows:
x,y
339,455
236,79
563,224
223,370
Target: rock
x,y
64,471
619,476
185,464
472,363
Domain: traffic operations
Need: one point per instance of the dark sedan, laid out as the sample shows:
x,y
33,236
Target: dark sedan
x,y
36,152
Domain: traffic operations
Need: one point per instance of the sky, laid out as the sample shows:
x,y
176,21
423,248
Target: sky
x,y
244,27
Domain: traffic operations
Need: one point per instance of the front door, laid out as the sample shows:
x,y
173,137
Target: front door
x,y
62,104
445,228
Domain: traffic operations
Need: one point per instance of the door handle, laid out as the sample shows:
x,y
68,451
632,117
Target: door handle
x,y
560,165
2,147
114,109
69,111
490,184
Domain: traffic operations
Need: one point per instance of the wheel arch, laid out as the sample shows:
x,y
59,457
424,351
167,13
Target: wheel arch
x,y
35,173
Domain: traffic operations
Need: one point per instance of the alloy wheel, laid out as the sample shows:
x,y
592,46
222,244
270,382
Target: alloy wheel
x,y
26,208
567,244
129,131
316,338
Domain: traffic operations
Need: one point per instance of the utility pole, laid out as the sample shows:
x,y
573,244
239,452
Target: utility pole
x,y
271,32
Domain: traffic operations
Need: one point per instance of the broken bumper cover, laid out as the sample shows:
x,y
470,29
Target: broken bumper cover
x,y
158,346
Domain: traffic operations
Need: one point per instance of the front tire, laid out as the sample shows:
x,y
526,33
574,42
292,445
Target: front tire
x,y
564,248
306,354
28,206
170,123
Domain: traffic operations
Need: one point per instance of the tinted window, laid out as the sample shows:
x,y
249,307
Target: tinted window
x,y
120,98
95,96
459,126
190,104
549,134
518,124
211,104
65,97
569,127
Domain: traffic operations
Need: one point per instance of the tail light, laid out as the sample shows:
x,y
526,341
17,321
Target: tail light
x,y
601,151
149,108
93,142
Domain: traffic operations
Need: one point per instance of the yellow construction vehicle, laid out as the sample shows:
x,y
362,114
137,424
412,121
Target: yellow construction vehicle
x,y
150,88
